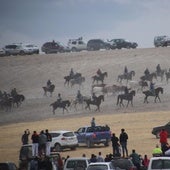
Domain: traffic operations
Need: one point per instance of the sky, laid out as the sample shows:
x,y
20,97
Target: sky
x,y
39,21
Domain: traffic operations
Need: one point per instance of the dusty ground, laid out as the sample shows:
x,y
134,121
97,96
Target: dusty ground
x,y
29,73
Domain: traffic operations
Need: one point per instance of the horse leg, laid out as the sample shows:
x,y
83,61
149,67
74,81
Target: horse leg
x,y
127,103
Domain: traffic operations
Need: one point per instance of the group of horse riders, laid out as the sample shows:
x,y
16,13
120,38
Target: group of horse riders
x,y
4,95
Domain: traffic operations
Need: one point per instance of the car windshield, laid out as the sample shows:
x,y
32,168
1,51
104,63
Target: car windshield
x,y
98,167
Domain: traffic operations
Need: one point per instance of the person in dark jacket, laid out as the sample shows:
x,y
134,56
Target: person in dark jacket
x,y
115,145
25,137
35,141
48,143
123,142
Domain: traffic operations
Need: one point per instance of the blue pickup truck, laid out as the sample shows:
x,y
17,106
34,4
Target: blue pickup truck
x,y
94,135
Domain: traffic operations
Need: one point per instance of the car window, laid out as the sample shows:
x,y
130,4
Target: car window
x,y
75,163
98,167
160,164
81,130
68,134
55,135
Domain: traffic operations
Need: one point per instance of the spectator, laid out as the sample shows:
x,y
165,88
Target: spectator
x,y
42,142
35,141
157,151
93,124
115,145
107,159
145,162
84,155
163,138
48,142
25,137
100,157
34,164
93,158
135,159
123,142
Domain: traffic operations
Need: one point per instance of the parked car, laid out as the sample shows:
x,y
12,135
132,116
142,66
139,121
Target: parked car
x,y
8,166
77,44
122,43
33,49
161,41
157,163
63,139
93,135
156,130
97,44
2,52
101,166
77,163
123,163
54,47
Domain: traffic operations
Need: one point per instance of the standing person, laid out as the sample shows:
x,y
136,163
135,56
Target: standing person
x,y
163,139
42,142
35,141
123,142
145,161
135,159
115,145
48,143
93,123
100,157
25,137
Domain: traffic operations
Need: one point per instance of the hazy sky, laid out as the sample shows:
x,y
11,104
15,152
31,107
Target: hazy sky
x,y
38,21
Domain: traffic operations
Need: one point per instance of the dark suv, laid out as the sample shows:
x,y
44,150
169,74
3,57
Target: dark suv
x,y
54,47
161,41
97,44
122,43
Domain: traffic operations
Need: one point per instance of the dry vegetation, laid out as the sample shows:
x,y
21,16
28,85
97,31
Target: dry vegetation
x,y
29,73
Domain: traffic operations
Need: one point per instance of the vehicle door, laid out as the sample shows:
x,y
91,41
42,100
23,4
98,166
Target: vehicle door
x,y
81,135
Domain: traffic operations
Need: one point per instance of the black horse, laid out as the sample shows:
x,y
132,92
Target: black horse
x,y
68,78
50,90
128,97
100,77
127,76
155,94
18,99
149,77
6,104
64,104
97,102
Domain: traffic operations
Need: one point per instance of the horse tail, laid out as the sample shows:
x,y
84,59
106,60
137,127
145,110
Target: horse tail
x,y
118,98
22,97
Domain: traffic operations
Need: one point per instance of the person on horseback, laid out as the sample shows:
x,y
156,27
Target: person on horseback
x,y
152,87
79,96
126,90
14,92
146,72
71,73
49,83
94,97
125,70
59,99
99,72
158,68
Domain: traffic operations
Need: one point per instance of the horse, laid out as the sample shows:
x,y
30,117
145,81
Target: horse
x,y
155,94
78,81
161,73
6,103
128,97
64,104
167,76
137,85
149,77
68,78
97,78
127,76
97,102
18,99
50,89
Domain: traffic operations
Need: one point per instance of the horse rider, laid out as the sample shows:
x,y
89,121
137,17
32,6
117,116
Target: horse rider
x,y
59,99
152,87
158,68
125,70
126,90
71,73
94,97
49,84
79,96
146,72
99,72
14,92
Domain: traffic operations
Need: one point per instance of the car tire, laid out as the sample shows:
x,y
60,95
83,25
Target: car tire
x,y
58,147
74,49
22,53
106,143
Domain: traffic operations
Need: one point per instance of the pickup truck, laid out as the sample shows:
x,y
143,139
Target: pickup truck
x,y
94,135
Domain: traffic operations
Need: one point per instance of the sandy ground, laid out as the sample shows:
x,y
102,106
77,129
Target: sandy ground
x,y
28,74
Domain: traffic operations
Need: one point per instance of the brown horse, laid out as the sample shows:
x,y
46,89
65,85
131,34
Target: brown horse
x,y
155,94
50,90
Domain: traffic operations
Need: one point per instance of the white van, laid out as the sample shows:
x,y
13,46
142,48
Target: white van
x,y
159,163
77,163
